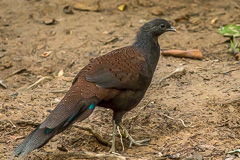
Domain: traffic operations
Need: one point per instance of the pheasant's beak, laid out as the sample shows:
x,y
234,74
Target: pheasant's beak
x,y
171,29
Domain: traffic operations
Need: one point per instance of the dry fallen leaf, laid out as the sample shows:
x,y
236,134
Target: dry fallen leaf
x,y
68,9
87,6
237,56
1,55
49,21
157,11
145,3
60,73
214,20
2,84
46,54
122,7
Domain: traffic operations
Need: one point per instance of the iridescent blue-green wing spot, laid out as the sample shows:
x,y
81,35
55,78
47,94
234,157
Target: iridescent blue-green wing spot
x,y
48,130
72,117
91,106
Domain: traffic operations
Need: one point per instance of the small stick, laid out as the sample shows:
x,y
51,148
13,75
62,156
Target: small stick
x,y
86,128
96,135
231,70
194,53
12,123
16,138
146,105
87,155
184,123
28,122
178,70
190,125
59,91
18,71
37,82
2,84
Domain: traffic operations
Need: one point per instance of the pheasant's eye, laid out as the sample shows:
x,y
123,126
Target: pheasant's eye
x,y
162,25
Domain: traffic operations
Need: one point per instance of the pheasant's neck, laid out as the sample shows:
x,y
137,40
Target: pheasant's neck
x,y
148,45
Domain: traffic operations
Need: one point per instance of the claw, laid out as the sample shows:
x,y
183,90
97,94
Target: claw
x,y
138,143
127,135
112,150
132,141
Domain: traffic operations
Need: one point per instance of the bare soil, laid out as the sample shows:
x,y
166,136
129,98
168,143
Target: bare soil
x,y
194,115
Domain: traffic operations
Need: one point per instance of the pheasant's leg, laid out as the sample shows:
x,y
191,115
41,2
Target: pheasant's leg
x,y
113,148
132,141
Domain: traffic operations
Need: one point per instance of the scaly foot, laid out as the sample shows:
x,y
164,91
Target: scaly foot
x,y
132,141
113,148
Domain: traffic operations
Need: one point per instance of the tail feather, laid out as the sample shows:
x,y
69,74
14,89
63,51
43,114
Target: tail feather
x,y
19,149
42,134
35,140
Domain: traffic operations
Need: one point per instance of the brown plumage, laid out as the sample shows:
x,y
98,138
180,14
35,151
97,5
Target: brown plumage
x,y
117,80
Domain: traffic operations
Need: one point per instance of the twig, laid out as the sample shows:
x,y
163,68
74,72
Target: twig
x,y
235,3
12,123
166,116
86,128
179,119
85,42
178,70
27,122
146,105
2,84
59,91
184,123
96,135
87,155
37,82
231,70
16,137
19,122
18,71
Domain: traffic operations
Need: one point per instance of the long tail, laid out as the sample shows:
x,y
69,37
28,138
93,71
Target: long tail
x,y
66,113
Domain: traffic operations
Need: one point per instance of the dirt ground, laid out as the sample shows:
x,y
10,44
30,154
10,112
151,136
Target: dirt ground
x,y
194,115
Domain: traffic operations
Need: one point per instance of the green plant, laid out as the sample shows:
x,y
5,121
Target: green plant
x,y
232,31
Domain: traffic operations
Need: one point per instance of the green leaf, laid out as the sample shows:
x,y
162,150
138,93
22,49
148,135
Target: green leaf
x,y
235,151
230,30
232,44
